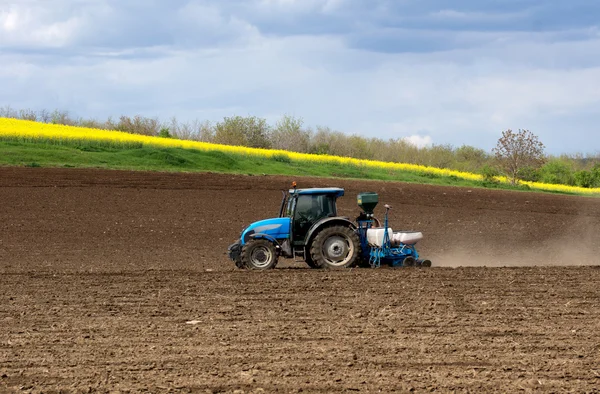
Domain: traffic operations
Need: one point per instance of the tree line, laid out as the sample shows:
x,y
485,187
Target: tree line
x,y
518,155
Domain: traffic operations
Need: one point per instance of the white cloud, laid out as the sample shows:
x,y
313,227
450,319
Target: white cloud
x,y
419,141
9,20
200,24
333,5
454,15
26,24
325,6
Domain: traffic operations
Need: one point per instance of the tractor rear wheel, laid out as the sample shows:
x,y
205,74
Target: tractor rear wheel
x,y
335,247
259,254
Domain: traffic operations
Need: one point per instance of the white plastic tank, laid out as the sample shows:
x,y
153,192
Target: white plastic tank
x,y
406,237
375,236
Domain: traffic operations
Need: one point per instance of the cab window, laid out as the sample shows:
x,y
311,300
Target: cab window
x,y
289,211
310,209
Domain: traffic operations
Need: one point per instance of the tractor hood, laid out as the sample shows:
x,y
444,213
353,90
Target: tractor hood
x,y
278,228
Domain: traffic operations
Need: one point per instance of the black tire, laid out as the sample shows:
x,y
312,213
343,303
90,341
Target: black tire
x,y
309,261
335,247
409,262
426,263
259,254
240,264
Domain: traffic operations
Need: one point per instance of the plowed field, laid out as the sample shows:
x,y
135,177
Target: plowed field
x,y
118,281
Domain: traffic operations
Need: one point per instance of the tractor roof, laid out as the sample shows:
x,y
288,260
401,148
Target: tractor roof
x,y
321,190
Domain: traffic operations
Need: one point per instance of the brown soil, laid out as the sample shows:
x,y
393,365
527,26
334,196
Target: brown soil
x,y
104,272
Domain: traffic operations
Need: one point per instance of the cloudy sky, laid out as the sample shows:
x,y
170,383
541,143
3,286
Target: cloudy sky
x,y
438,71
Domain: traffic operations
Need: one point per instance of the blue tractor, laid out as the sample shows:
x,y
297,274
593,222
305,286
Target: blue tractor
x,y
309,227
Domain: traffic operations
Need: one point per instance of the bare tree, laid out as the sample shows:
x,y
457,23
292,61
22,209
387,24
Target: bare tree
x,y
517,150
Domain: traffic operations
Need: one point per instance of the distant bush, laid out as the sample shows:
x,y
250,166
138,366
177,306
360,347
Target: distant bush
x,y
591,178
528,173
557,171
164,133
489,173
471,159
584,178
282,158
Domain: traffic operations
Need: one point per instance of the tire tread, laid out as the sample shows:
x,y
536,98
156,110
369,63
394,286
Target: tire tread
x,y
317,243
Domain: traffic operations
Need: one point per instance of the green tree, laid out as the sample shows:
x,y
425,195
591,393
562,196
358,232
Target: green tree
x,y
359,147
584,178
245,131
164,133
288,134
321,141
469,158
441,156
489,173
517,150
591,178
557,171
596,175
528,173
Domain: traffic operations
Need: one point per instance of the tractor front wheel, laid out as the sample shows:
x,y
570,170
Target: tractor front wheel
x,y
309,261
335,247
259,254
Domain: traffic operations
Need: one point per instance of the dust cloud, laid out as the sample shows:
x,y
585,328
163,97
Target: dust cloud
x,y
578,245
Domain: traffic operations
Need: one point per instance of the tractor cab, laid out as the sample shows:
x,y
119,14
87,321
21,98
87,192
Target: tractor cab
x,y
306,207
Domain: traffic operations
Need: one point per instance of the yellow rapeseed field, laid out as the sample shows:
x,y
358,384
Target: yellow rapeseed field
x,y
34,131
